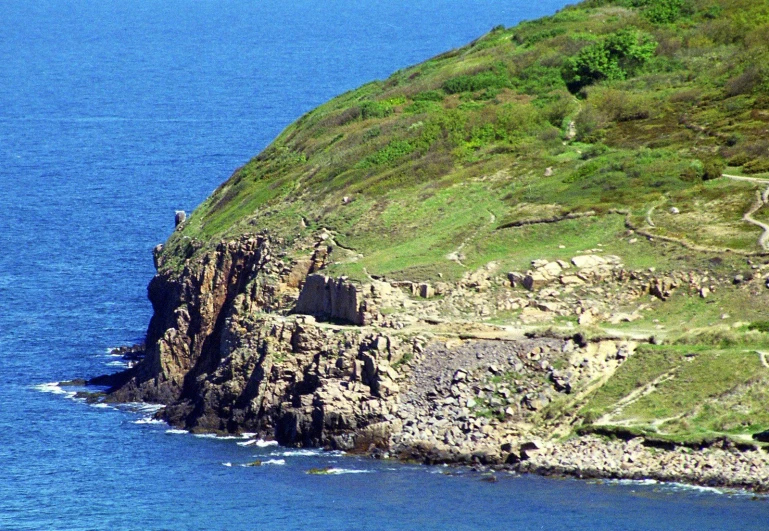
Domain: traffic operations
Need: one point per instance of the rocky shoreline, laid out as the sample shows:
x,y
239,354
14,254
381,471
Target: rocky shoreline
x,y
242,341
720,465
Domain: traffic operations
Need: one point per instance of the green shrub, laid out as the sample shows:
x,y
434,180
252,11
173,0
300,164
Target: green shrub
x,y
744,83
375,109
739,159
539,79
429,95
391,152
515,118
614,58
557,108
756,166
760,326
475,82
534,38
712,169
663,11
587,122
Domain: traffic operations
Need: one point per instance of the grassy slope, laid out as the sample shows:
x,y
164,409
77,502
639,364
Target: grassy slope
x,y
442,157
447,151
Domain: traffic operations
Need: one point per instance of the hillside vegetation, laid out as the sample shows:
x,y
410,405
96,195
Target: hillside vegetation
x,y
630,103
607,125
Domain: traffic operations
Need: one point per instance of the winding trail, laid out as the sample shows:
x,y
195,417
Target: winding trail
x,y
762,199
762,357
748,216
456,255
649,216
634,397
745,178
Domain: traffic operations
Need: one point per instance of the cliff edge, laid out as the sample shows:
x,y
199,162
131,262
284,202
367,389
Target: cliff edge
x,y
509,255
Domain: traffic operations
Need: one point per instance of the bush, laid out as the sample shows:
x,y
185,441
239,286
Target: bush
x,y
744,83
516,118
663,11
756,166
739,159
587,122
558,108
390,153
429,95
480,81
760,326
614,58
712,169
374,109
620,105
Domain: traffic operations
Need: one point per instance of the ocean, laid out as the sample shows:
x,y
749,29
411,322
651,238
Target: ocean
x,y
114,114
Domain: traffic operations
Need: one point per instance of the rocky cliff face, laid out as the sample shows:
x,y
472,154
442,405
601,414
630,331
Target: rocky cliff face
x,y
222,354
243,341
247,340
189,310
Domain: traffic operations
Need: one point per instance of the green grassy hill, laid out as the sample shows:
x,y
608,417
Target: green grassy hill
x,y
609,124
630,104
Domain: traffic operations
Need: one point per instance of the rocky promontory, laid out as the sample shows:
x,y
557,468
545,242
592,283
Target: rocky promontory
x,y
243,341
543,250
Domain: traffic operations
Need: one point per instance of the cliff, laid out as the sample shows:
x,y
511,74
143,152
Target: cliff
x,y
492,252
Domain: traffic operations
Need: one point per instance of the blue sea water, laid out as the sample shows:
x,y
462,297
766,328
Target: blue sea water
x,y
112,115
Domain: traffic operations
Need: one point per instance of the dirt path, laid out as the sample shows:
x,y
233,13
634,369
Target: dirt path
x,y
748,216
457,255
634,397
744,178
649,216
762,357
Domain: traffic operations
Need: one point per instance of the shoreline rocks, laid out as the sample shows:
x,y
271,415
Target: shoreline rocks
x,y
244,341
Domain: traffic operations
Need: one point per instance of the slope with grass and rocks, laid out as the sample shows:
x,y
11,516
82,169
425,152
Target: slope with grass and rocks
x,y
518,253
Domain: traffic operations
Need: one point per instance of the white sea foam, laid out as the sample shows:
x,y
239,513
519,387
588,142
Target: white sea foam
x,y
215,436
674,486
118,364
102,405
698,488
149,420
248,435
635,481
261,443
299,453
340,471
276,462
227,464
176,432
54,388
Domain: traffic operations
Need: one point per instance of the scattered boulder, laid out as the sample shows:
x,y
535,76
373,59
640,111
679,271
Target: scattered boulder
x,y
589,260
426,291
535,281
516,279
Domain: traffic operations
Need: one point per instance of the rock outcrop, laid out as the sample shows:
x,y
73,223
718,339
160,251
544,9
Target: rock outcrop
x,y
242,341
334,299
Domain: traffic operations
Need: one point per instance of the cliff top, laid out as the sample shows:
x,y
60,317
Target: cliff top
x,y
636,105
613,158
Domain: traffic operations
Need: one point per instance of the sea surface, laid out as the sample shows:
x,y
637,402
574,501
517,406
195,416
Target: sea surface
x,y
114,114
